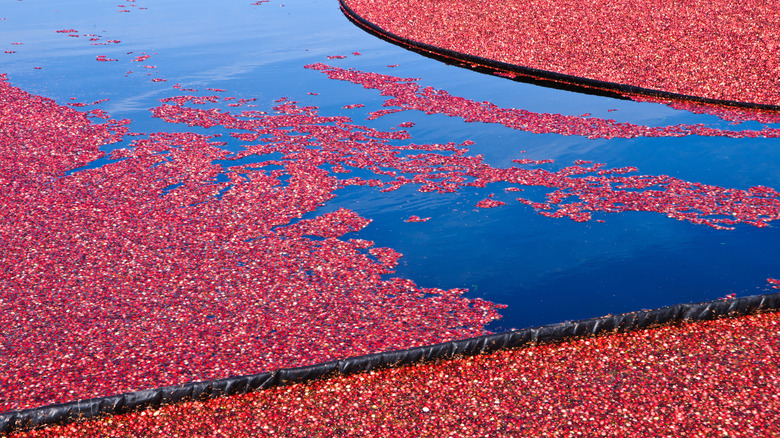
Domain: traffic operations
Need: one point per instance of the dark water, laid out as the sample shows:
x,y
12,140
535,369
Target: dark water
x,y
546,270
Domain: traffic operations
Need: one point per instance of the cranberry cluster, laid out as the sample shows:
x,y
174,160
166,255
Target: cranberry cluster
x,y
715,49
714,378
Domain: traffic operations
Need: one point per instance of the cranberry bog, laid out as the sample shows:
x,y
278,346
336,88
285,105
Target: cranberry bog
x,y
194,191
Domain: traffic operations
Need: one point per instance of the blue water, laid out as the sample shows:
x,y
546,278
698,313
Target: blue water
x,y
546,270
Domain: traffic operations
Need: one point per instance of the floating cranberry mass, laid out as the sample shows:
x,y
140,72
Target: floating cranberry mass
x,y
718,50
406,94
147,271
710,378
104,265
179,257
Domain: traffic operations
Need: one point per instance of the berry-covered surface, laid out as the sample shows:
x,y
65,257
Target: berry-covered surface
x,y
173,262
149,271
197,190
718,49
715,378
